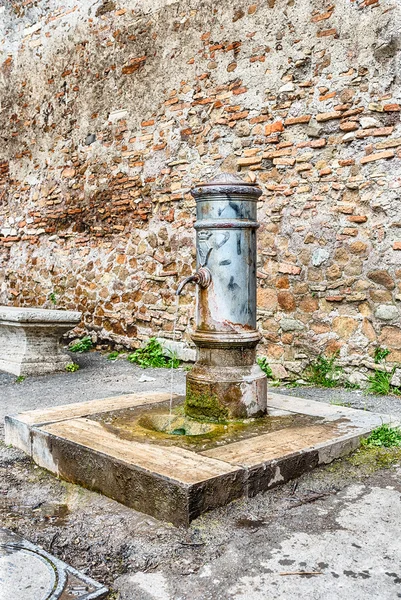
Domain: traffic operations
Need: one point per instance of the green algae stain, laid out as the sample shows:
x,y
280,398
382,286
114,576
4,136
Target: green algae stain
x,y
156,425
205,407
365,461
372,459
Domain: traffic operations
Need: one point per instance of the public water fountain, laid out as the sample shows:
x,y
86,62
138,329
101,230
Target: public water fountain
x,y
175,458
225,382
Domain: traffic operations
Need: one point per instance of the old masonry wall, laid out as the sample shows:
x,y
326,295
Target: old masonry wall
x,y
111,110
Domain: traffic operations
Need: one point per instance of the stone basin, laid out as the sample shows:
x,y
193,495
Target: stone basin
x,y
157,424
171,424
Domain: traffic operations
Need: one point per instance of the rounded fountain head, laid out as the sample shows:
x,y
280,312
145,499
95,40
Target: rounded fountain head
x,y
227,178
226,183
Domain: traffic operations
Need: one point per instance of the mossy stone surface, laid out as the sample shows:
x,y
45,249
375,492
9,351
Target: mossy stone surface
x,y
204,406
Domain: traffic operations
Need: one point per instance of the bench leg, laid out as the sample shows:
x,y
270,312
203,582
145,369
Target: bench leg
x,y
32,349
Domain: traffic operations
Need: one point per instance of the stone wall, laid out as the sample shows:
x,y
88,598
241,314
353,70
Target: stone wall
x,y
110,111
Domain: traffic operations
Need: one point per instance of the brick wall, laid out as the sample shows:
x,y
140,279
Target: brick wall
x,y
111,111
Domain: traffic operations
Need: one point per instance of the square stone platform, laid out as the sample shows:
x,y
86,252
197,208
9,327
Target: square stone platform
x,y
174,479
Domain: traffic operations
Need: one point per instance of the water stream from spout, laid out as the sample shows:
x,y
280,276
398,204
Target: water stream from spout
x,y
177,299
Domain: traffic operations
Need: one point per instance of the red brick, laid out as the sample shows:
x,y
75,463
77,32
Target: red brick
x,y
326,32
377,156
260,119
240,90
274,127
328,116
374,132
391,108
358,219
321,17
349,126
238,116
135,65
278,153
353,112
326,171
252,160
320,143
297,120
284,161
327,96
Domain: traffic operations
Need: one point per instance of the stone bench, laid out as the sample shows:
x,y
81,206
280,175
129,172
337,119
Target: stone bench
x,y
30,339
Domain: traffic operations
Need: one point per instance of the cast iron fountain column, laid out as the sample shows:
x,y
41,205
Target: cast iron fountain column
x,y
225,382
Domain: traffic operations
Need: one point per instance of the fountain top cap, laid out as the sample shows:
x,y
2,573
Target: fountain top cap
x,y
226,183
227,179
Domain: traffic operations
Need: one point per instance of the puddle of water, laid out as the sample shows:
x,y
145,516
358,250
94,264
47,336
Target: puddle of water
x,y
246,523
54,514
175,424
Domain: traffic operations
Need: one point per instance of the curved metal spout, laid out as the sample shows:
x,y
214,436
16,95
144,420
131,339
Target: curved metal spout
x,y
184,283
202,277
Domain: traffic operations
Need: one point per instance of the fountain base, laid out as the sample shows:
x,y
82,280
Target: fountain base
x,y
221,393
175,468
226,383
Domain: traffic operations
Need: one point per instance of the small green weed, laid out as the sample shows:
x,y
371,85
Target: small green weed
x,y
368,459
380,384
340,403
53,298
113,355
380,354
294,384
20,378
384,436
351,386
264,365
153,355
82,345
71,367
323,371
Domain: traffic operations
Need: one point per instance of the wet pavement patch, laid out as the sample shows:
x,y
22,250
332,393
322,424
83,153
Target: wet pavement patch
x,y
29,573
245,523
